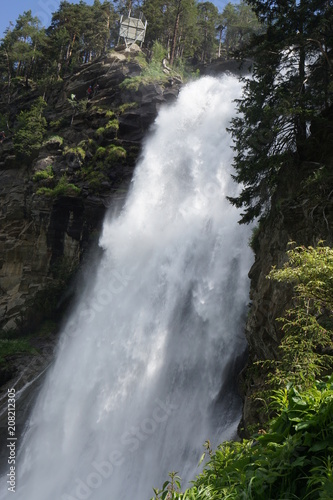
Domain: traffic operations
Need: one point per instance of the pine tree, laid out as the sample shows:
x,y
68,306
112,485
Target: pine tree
x,y
30,130
280,100
207,22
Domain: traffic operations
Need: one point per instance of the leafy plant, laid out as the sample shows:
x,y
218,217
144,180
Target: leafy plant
x,y
63,188
125,107
77,151
54,139
47,173
292,460
308,326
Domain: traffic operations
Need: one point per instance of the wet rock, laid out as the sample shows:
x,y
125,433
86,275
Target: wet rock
x,y
39,229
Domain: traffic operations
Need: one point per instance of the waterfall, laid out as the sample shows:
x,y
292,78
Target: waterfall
x,y
144,372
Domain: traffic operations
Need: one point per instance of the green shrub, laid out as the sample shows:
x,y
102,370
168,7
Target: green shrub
x,y
108,156
54,139
99,133
9,347
100,152
55,123
151,72
30,130
132,83
47,173
63,188
110,129
109,114
307,327
125,107
77,151
140,58
292,460
115,153
112,124
158,52
95,179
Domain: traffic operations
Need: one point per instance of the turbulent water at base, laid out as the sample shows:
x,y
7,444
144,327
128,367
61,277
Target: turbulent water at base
x,y
144,372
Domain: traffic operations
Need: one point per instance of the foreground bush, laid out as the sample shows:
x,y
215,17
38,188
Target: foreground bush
x,y
292,460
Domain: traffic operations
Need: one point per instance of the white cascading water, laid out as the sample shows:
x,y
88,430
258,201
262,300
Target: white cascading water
x,y
143,371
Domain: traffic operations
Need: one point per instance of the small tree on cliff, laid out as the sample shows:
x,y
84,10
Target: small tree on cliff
x,y
307,345
30,130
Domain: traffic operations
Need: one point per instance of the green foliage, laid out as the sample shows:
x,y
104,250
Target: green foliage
x,y
78,32
292,460
57,124
100,132
47,173
254,240
169,488
152,73
11,344
289,89
110,129
100,153
30,130
94,179
112,125
54,139
10,347
109,114
115,153
76,150
132,83
236,24
308,326
63,188
158,52
110,154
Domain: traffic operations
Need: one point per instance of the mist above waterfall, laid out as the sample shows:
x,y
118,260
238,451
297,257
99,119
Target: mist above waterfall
x,y
144,369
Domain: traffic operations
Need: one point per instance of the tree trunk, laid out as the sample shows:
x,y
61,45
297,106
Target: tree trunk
x,y
175,33
9,75
220,40
300,120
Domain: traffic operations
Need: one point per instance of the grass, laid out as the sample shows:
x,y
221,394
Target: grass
x,y
150,74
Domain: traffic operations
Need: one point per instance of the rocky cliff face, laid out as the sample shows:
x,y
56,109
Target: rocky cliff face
x,y
45,228
302,212
51,208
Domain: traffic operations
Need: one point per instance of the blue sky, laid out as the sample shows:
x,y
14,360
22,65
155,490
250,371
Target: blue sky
x,y
43,10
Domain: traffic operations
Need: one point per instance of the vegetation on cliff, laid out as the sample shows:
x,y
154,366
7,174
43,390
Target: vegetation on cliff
x,y
80,33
